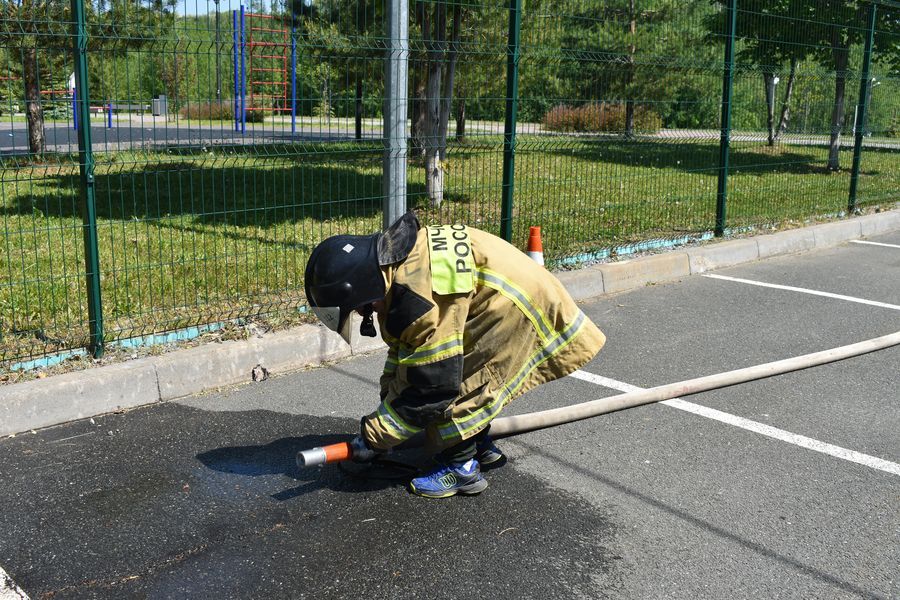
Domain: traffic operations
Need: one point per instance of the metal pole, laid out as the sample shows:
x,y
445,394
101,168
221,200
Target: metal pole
x,y
88,198
509,127
358,119
218,58
243,77
725,138
396,78
865,88
293,81
237,97
75,109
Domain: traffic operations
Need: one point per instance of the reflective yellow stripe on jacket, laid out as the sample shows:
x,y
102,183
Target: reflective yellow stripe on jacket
x,y
433,352
519,298
457,428
391,362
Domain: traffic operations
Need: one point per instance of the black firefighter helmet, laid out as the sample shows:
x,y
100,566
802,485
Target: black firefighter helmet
x,y
343,273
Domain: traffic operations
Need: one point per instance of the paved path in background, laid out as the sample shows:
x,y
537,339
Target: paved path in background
x,y
61,137
201,497
143,133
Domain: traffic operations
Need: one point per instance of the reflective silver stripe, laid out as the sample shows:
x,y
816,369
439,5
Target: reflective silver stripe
x,y
395,423
420,355
536,316
457,428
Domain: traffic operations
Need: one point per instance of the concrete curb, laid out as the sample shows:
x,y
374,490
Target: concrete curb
x,y
626,275
45,402
42,403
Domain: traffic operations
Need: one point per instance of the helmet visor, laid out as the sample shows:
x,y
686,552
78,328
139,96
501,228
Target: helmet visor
x,y
331,318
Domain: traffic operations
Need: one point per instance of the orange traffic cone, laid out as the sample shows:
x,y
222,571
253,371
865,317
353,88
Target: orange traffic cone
x,y
535,247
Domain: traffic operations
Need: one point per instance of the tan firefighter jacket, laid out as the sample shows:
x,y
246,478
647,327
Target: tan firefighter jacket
x,y
471,323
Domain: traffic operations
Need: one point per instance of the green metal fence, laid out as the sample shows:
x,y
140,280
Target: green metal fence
x,y
167,166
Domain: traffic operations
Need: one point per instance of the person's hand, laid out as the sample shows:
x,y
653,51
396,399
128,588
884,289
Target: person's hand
x,y
361,451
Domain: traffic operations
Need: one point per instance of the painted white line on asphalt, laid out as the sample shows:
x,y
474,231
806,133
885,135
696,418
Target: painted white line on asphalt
x,y
874,243
804,291
873,462
8,588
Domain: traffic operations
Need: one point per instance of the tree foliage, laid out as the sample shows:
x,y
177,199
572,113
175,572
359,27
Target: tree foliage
x,y
660,57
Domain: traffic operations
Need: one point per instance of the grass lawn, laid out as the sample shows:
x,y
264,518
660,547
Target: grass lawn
x,y
189,236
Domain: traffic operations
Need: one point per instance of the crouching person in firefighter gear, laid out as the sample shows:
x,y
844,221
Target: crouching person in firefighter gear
x,y
470,322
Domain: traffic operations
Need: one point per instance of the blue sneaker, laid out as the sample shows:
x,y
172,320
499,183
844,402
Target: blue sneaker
x,y
488,453
449,480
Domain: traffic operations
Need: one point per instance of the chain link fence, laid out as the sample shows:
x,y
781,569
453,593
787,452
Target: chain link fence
x,y
167,166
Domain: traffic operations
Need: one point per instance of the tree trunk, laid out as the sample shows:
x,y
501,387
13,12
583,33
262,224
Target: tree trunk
x,y
841,54
417,66
449,76
415,110
326,98
436,46
629,119
359,107
629,75
769,88
34,111
434,172
786,105
460,119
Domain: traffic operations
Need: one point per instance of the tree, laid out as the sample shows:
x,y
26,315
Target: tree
x,y
766,38
40,31
836,38
768,30
30,30
620,52
341,37
433,88
775,31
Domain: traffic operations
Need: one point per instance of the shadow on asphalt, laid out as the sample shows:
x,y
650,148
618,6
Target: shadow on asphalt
x,y
279,458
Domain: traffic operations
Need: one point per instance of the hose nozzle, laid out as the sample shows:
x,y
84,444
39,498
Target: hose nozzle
x,y
324,455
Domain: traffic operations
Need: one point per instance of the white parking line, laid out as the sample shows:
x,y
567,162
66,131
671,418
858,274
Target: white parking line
x,y
8,588
872,462
874,243
804,291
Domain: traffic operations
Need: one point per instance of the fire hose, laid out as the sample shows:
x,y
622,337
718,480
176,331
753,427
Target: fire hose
x,y
514,425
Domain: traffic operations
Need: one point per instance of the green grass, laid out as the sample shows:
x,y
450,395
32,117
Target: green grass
x,y
190,237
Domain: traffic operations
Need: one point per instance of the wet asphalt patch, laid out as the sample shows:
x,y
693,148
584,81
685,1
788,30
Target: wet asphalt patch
x,y
174,501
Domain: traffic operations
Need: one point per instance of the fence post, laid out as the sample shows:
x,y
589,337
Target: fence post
x,y
865,88
88,198
243,75
396,81
235,67
509,127
725,136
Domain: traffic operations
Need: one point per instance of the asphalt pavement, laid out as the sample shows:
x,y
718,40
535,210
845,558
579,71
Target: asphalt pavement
x,y
156,134
201,498
145,132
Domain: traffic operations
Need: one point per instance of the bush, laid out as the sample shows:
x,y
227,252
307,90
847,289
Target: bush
x,y
59,111
596,117
214,111
219,111
256,115
893,130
